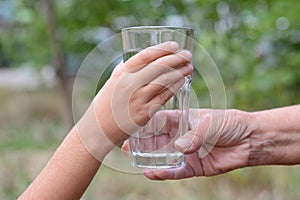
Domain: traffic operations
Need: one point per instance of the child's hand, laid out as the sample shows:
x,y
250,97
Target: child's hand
x,y
139,87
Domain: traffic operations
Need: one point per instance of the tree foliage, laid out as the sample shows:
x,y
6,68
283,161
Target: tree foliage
x,y
255,44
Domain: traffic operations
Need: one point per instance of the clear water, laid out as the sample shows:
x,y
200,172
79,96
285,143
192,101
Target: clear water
x,y
157,160
163,160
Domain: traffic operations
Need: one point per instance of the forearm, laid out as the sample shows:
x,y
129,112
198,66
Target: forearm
x,y
67,174
276,138
74,164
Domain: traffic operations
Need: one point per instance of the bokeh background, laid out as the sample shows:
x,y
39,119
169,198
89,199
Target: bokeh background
x,y
255,44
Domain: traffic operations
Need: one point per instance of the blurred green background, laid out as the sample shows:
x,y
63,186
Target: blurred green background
x,y
255,45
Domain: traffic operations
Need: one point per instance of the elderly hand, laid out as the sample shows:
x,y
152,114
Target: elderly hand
x,y
217,143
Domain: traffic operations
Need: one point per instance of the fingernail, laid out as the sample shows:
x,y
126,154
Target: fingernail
x,y
174,45
148,173
190,67
183,143
188,55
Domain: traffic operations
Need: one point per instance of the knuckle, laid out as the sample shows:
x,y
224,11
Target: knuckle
x,y
164,62
164,96
185,55
164,80
161,61
139,115
117,73
133,98
125,84
144,55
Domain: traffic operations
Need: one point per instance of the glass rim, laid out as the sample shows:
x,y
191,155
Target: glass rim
x,y
157,28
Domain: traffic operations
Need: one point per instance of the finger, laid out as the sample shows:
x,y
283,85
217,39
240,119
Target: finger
x,y
170,174
125,148
192,140
160,83
166,94
163,121
146,56
159,175
163,65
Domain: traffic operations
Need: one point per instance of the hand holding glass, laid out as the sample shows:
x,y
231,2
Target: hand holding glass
x,y
154,153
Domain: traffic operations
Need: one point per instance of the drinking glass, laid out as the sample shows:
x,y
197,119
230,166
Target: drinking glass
x,y
149,147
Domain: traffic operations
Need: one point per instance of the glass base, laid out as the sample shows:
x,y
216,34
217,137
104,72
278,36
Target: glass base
x,y
157,160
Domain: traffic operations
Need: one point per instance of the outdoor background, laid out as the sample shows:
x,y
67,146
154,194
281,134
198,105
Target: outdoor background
x,y
255,45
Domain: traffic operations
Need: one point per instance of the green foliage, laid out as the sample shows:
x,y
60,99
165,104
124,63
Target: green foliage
x,y
255,47
254,43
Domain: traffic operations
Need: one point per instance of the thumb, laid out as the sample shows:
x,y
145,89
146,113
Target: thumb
x,y
126,148
191,141
188,143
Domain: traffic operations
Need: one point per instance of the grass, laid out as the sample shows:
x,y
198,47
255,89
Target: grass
x,y
31,128
30,119
260,183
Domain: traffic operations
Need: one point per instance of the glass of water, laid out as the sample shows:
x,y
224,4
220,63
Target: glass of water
x,y
149,147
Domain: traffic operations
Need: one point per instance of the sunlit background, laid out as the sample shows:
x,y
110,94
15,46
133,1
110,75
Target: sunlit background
x,y
255,44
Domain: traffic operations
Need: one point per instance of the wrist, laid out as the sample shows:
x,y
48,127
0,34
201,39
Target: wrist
x,y
97,141
262,145
275,139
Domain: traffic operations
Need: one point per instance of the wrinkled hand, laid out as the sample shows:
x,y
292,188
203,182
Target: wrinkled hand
x,y
218,142
139,87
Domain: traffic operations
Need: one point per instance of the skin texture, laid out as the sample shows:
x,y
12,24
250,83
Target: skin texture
x,y
223,140
138,86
